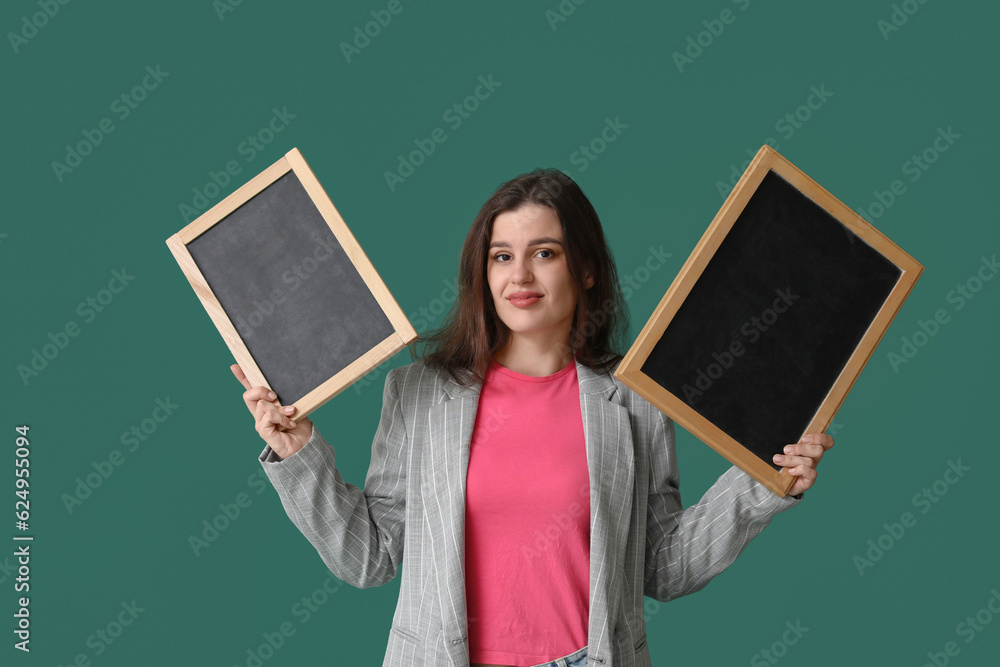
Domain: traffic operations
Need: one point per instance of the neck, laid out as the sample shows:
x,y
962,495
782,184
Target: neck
x,y
534,358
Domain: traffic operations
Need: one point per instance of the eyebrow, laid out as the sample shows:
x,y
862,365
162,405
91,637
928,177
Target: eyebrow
x,y
504,244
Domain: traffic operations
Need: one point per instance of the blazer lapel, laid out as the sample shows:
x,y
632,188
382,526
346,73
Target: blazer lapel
x,y
610,461
444,467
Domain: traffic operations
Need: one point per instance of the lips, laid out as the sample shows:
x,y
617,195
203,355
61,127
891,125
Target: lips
x,y
524,299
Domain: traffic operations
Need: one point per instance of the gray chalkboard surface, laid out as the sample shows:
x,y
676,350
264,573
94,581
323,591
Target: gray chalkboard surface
x,y
289,288
771,319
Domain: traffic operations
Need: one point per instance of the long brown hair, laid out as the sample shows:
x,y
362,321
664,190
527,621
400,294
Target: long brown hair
x,y
472,332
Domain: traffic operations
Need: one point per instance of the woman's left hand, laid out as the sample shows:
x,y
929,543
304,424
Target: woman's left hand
x,y
800,460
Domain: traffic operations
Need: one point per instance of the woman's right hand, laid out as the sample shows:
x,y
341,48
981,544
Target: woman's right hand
x,y
274,424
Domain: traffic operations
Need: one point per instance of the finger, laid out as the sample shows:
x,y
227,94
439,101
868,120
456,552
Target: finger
x,y
284,414
238,372
812,451
273,419
822,439
268,413
804,481
263,400
790,461
802,471
255,395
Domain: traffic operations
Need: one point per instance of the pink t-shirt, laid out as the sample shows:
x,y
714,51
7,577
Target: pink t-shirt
x,y
527,520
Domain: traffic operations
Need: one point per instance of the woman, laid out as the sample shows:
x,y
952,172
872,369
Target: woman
x,y
530,497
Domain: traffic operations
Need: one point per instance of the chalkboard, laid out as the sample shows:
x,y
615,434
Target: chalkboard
x,y
771,319
295,298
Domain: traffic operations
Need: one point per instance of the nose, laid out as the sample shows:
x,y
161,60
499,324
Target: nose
x,y
522,271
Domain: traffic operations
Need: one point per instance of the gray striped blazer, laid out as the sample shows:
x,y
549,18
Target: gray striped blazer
x,y
411,513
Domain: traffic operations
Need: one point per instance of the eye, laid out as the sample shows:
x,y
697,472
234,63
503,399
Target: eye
x,y
497,256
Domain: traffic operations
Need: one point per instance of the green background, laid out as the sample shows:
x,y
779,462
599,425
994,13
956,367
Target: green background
x,y
656,185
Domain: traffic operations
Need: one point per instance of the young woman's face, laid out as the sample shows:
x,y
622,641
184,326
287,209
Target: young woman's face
x,y
528,274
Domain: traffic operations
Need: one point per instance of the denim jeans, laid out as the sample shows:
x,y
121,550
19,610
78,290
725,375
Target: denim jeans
x,y
574,659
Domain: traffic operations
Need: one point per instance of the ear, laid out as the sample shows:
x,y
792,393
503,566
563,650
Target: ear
x,y
588,280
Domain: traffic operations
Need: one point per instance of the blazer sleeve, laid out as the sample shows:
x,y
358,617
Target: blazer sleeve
x,y
686,548
358,533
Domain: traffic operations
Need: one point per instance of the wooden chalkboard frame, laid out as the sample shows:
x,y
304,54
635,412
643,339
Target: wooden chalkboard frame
x,y
630,372
403,334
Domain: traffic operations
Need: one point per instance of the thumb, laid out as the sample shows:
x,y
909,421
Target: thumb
x,y
238,372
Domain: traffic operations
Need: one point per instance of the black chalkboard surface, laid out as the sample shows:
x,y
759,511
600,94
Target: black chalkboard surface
x,y
771,319
302,309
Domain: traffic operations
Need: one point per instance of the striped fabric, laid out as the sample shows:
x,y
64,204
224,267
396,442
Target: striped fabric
x,y
410,515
